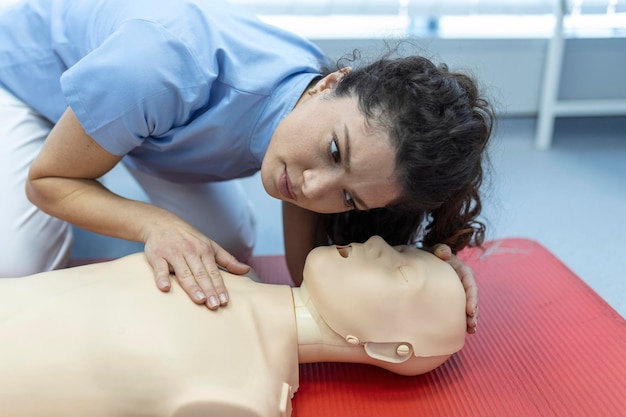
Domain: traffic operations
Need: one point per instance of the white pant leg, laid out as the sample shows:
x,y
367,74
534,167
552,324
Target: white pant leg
x,y
32,241
220,210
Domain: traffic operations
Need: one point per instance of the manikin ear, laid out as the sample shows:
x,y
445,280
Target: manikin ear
x,y
331,80
389,352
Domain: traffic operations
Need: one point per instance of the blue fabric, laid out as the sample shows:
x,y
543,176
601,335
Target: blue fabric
x,y
190,90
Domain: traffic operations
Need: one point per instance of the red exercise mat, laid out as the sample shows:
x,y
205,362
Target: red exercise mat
x,y
547,345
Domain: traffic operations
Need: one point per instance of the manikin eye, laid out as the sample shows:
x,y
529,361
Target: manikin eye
x,y
344,251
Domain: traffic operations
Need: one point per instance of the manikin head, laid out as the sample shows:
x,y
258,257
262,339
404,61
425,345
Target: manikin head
x,y
396,302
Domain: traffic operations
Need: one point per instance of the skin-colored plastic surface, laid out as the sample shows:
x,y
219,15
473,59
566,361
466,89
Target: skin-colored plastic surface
x,y
101,341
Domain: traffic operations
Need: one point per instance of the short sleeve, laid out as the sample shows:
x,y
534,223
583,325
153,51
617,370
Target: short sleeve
x,y
140,82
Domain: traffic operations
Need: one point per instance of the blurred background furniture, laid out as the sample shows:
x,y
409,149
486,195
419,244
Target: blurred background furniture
x,y
554,22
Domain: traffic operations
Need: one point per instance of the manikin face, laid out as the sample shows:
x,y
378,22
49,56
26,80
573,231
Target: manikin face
x,y
325,158
378,293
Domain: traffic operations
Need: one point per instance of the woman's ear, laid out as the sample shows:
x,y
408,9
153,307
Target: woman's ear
x,y
389,352
331,80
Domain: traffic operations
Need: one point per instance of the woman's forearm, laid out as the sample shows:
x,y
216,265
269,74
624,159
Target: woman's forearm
x,y
301,233
88,204
62,181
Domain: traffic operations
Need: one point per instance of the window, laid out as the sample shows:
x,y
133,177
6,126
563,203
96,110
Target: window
x,y
328,19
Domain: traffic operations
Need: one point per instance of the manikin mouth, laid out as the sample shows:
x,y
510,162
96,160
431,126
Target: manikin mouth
x,y
344,251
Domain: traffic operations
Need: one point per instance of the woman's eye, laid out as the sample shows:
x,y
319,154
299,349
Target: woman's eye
x,y
334,151
349,202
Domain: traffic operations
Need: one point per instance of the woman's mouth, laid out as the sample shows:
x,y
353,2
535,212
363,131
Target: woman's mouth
x,y
284,186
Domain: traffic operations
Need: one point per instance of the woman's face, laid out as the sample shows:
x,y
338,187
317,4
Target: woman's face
x,y
323,157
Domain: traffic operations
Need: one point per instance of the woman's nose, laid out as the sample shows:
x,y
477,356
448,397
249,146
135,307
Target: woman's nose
x,y
317,184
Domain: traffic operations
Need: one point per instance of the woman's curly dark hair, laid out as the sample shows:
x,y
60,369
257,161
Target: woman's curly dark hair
x,y
440,127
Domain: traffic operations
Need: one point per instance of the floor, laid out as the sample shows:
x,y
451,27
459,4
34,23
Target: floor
x,y
571,199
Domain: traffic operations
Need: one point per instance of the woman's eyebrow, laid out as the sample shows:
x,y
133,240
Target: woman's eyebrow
x,y
346,164
346,159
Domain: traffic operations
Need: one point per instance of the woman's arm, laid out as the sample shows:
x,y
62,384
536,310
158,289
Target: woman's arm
x,y
63,183
301,232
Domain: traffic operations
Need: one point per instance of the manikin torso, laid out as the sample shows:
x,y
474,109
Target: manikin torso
x,y
135,351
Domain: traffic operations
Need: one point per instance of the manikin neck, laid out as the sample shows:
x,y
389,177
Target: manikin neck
x,y
317,342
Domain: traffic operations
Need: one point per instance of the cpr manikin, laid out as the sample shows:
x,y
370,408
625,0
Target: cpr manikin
x,y
101,341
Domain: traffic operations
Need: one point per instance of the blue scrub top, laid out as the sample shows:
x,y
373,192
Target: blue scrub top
x,y
189,90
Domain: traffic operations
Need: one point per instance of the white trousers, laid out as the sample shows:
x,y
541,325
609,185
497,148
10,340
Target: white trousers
x,y
33,241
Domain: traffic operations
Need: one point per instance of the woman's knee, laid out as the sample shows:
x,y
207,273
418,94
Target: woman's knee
x,y
36,250
238,237
220,210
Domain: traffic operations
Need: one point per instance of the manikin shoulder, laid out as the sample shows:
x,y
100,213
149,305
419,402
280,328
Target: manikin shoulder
x,y
238,405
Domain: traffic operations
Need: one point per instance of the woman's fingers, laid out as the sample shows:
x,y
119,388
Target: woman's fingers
x,y
187,279
206,275
197,271
161,274
466,275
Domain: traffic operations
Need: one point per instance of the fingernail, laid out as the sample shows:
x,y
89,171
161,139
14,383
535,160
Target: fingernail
x,y
200,295
223,298
213,301
164,284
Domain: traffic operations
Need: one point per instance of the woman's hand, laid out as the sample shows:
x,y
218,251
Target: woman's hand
x,y
466,275
193,258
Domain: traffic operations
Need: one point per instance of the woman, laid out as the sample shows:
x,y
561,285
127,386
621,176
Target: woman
x,y
157,354
189,94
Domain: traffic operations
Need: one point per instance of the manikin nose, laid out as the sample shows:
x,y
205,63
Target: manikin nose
x,y
344,251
